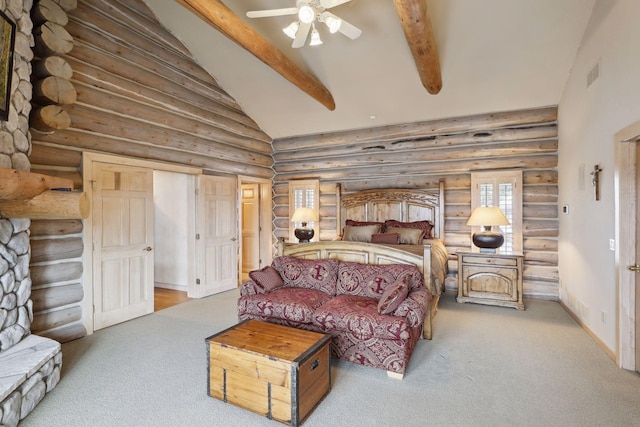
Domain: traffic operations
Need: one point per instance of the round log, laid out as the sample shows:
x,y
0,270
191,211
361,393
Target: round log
x,y
21,185
51,204
47,10
52,39
52,66
50,118
67,5
54,273
65,333
54,319
55,296
56,249
55,227
72,175
54,90
54,156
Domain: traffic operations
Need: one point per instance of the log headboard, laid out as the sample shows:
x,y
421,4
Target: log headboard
x,y
401,204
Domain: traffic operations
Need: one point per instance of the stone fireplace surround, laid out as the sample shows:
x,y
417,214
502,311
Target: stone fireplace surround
x,y
29,364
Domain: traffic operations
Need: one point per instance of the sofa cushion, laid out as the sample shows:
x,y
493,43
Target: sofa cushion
x,y
370,280
268,278
392,296
359,315
295,304
318,274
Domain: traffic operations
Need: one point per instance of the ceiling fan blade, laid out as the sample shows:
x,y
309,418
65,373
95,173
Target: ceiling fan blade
x,y
327,4
301,35
350,30
272,12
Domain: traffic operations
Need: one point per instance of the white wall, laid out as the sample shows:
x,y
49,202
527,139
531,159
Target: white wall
x,y
173,225
588,120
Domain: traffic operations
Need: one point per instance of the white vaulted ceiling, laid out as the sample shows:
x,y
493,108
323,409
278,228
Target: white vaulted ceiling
x,y
495,55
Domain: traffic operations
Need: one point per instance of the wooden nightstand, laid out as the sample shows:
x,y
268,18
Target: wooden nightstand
x,y
488,278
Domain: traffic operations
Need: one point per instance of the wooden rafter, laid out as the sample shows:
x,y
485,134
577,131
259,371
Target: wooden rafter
x,y
224,20
419,33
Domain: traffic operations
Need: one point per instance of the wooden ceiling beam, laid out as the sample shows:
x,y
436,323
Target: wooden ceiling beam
x,y
215,13
419,34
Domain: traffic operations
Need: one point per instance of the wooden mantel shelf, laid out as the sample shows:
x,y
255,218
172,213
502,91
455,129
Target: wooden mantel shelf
x,y
32,195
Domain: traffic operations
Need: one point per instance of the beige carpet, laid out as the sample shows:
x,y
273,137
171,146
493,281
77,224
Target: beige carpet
x,y
486,366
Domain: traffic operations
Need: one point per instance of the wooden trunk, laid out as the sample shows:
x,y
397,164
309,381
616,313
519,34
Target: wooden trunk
x,y
276,371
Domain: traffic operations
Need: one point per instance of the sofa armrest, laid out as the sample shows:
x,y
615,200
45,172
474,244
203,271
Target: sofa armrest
x,y
414,307
249,287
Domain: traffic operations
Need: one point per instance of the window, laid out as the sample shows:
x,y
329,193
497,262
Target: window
x,y
304,194
502,189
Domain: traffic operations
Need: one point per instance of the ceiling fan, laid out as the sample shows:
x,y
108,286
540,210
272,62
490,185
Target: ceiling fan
x,y
310,11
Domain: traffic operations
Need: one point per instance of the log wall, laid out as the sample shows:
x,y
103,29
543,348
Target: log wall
x,y
140,94
419,155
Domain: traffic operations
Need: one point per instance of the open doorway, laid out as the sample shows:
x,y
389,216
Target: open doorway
x,y
256,243
174,231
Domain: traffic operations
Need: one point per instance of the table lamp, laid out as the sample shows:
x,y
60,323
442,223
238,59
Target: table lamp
x,y
304,215
487,216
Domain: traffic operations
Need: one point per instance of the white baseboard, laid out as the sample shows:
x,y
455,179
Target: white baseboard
x,y
172,286
599,342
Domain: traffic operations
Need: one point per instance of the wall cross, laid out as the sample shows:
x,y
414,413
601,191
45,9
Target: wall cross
x,y
595,180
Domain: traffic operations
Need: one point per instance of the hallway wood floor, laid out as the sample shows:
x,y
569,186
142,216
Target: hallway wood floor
x,y
165,298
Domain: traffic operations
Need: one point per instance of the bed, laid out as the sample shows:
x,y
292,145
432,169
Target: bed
x,y
403,206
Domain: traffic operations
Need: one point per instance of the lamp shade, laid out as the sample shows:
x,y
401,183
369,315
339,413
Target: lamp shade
x,y
487,216
304,215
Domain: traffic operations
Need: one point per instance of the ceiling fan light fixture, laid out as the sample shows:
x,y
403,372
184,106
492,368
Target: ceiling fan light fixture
x,y
315,38
291,30
334,24
306,14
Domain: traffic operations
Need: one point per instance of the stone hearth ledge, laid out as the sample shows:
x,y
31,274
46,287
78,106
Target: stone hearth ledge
x,y
29,370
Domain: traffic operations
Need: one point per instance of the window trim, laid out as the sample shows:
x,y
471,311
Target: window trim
x,y
306,184
496,178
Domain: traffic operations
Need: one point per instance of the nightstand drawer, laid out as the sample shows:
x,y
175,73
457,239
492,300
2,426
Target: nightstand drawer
x,y
490,260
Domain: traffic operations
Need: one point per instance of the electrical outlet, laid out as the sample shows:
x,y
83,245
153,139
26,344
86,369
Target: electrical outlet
x,y
612,244
604,316
565,209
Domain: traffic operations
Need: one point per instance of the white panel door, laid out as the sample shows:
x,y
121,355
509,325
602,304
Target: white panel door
x,y
123,242
218,230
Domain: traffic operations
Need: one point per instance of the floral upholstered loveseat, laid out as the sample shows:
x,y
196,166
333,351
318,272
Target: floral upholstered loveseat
x,y
374,312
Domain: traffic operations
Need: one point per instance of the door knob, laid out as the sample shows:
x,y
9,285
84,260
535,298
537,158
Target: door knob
x,y
148,249
233,239
635,268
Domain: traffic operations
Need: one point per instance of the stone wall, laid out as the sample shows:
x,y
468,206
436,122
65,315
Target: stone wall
x,y
16,311
29,365
15,142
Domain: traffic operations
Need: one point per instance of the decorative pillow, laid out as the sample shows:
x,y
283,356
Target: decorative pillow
x,y
389,238
408,236
370,280
360,223
393,296
361,233
318,274
427,226
268,278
